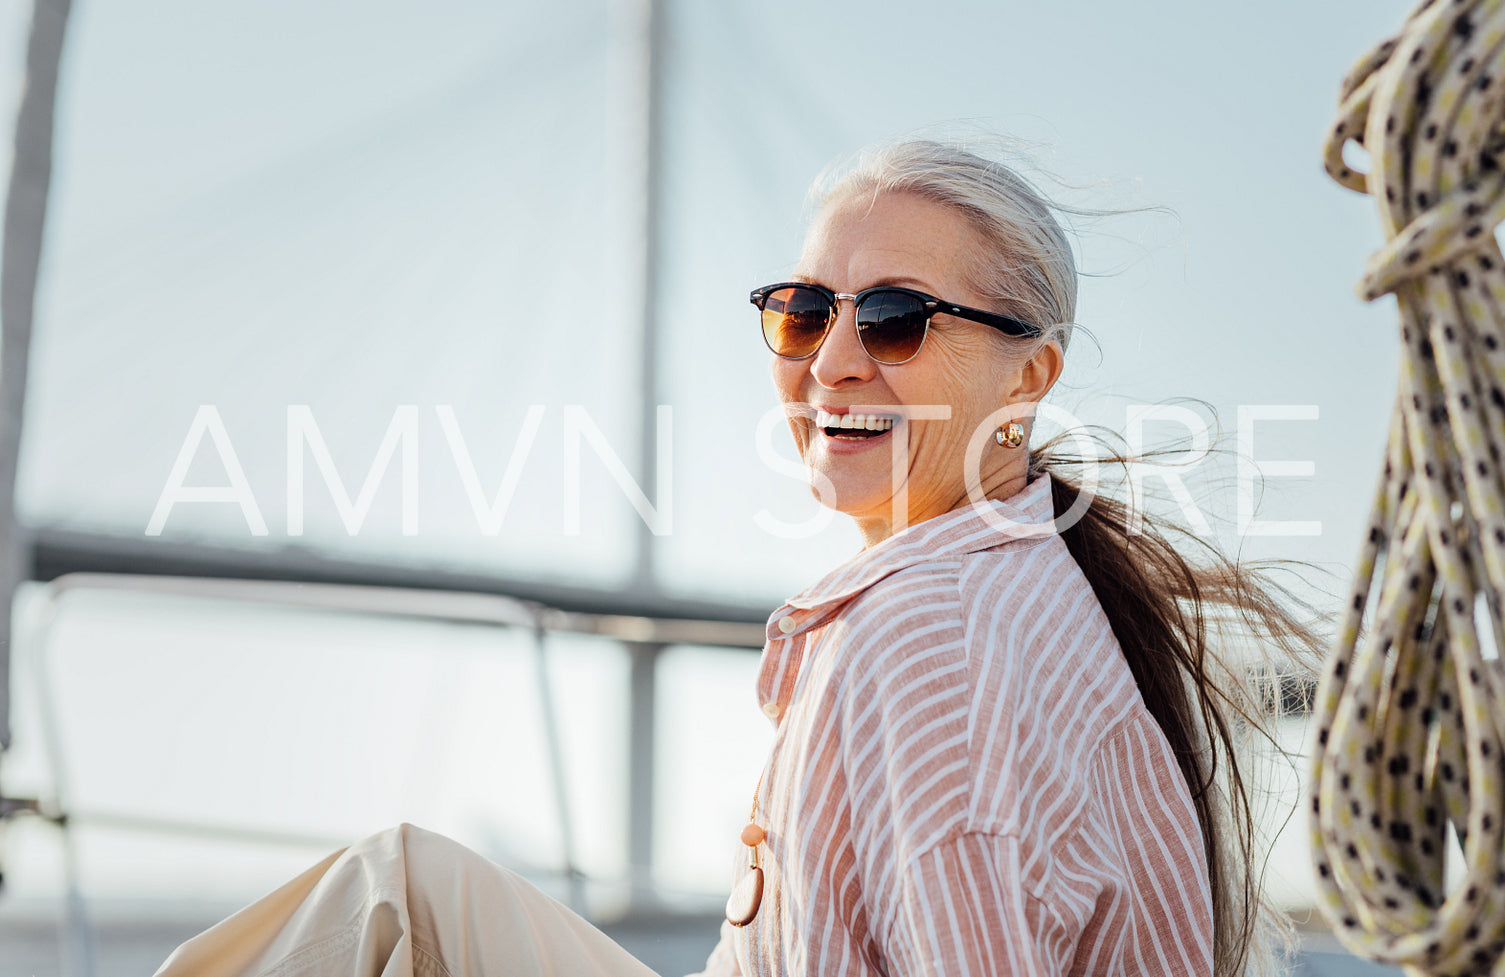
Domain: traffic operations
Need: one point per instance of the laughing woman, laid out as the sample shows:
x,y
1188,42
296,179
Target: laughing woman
x,y
1003,744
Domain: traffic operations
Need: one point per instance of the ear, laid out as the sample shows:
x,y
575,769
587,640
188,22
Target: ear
x,y
1034,378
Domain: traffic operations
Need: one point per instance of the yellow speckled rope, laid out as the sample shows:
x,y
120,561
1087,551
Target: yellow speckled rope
x,y
1411,734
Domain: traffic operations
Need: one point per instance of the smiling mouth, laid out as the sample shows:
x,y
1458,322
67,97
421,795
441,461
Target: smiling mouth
x,y
854,427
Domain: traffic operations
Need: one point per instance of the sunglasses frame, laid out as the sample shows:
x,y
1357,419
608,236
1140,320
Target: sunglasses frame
x,y
932,305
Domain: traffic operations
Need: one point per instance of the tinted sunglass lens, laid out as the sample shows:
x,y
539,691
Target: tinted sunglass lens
x,y
891,326
795,320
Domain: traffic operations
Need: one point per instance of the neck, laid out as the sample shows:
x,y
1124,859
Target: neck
x,y
996,486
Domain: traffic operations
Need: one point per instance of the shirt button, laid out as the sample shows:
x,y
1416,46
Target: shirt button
x,y
786,624
771,709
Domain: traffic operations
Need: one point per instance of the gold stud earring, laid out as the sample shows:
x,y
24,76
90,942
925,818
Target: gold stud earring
x,y
1013,437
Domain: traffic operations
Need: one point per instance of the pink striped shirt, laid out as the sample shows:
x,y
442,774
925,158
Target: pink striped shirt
x,y
964,779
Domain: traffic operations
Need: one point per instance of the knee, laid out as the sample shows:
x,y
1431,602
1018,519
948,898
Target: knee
x,y
428,849
400,853
434,862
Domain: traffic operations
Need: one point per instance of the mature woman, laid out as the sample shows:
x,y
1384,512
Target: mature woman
x,y
1003,745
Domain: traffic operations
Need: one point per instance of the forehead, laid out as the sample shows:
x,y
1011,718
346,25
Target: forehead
x,y
859,240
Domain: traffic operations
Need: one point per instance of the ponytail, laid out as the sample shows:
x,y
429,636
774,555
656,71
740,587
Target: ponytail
x,y
1163,608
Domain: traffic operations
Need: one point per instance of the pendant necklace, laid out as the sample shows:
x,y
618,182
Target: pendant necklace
x,y
742,904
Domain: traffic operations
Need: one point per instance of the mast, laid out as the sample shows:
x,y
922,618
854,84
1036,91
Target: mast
x,y
25,218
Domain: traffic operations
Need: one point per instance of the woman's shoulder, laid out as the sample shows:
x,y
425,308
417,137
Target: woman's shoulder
x,y
1032,620
1012,628
1049,684
903,636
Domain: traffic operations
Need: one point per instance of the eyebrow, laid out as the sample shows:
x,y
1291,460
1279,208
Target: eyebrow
x,y
899,281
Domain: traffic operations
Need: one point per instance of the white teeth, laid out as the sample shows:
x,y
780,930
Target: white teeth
x,y
861,422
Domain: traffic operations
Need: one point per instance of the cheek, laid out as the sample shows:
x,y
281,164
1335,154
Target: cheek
x,y
786,376
788,384
965,381
952,376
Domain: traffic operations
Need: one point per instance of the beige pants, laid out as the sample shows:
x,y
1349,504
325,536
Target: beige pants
x,y
404,903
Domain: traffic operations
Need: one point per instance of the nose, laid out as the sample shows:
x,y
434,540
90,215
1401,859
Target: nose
x,y
841,358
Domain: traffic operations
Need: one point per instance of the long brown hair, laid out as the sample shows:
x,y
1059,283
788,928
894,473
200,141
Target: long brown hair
x,y
1164,591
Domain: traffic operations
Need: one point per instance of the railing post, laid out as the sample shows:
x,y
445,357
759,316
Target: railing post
x,y
555,744
641,745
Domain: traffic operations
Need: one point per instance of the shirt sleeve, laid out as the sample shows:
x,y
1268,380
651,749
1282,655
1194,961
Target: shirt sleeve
x,y
722,962
965,912
1125,889
1143,824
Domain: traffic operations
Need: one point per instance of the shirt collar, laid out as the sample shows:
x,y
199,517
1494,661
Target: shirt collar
x,y
1022,518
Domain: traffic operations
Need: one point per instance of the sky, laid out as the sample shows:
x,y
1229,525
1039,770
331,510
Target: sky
x,y
434,208
367,207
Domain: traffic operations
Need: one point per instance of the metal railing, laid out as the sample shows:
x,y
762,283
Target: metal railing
x,y
644,639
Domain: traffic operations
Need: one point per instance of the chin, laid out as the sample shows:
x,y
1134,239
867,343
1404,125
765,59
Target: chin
x,y
856,497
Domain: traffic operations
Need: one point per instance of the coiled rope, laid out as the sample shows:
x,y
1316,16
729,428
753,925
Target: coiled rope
x,y
1411,734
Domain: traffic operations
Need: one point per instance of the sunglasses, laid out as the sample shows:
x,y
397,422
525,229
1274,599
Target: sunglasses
x,y
891,322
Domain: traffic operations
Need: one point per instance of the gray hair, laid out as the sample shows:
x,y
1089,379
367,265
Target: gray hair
x,y
1029,272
